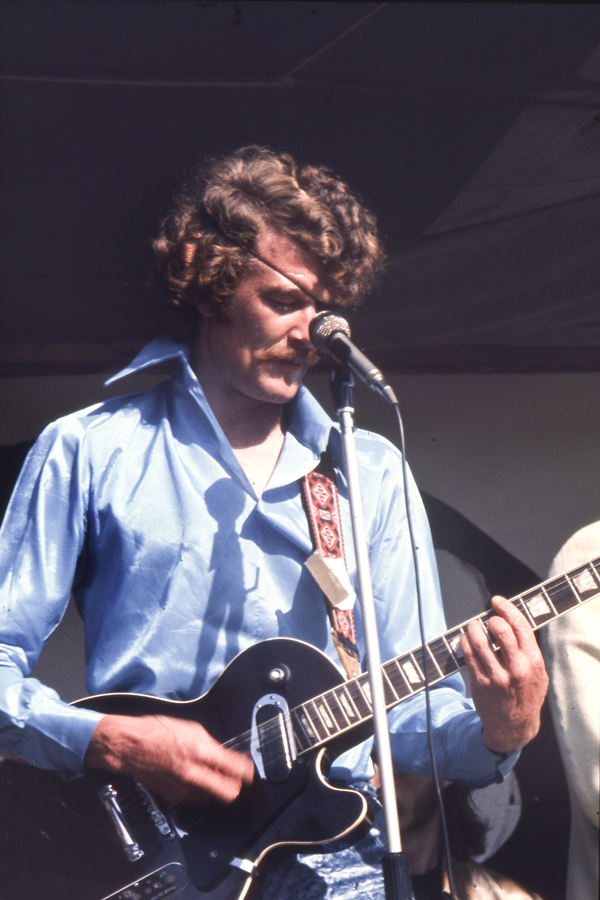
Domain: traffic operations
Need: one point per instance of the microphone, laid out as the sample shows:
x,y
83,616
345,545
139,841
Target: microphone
x,y
331,334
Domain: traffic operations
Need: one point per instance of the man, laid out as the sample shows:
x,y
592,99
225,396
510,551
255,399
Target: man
x,y
571,648
420,820
177,519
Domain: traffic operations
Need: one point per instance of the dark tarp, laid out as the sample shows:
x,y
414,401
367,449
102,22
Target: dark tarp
x,y
515,257
471,129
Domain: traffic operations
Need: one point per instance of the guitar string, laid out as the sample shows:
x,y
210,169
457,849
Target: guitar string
x,y
272,728
558,590
268,729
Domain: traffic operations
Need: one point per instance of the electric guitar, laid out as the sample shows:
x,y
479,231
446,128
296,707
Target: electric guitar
x,y
104,837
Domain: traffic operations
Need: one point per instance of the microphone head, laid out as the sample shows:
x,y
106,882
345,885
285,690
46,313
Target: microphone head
x,y
323,326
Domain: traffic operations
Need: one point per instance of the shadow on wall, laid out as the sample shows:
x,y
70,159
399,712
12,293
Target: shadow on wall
x,y
536,853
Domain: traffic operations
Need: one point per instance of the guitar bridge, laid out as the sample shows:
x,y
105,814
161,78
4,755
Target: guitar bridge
x,y
131,848
159,819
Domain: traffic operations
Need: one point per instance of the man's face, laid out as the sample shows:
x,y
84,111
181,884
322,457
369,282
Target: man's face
x,y
263,350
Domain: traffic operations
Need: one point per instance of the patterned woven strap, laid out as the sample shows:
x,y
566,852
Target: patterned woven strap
x,y
321,504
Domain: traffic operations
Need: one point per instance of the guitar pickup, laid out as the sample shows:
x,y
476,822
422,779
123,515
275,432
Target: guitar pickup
x,y
272,744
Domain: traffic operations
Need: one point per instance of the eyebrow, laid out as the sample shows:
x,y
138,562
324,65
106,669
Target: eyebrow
x,y
284,275
284,289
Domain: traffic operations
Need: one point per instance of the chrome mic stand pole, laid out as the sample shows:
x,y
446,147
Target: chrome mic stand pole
x,y
395,863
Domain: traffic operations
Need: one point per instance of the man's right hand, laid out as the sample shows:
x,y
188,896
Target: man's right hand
x,y
174,758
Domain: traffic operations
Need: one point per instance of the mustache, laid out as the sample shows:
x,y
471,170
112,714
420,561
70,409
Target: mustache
x,y
306,357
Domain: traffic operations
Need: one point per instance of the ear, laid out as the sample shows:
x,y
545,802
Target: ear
x,y
205,308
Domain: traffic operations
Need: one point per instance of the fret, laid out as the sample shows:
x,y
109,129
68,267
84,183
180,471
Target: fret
x,y
337,710
326,715
346,703
358,699
411,669
432,670
436,668
537,608
300,737
314,730
360,692
520,604
452,638
549,599
417,658
307,733
365,686
390,695
349,704
317,723
484,619
397,679
307,722
444,658
584,582
564,596
398,662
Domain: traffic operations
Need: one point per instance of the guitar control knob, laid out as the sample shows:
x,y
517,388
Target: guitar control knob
x,y
279,675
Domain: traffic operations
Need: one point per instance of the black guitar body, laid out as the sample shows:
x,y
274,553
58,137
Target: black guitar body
x,y
99,837
59,842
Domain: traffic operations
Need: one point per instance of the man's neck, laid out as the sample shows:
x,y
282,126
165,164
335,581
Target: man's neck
x,y
255,431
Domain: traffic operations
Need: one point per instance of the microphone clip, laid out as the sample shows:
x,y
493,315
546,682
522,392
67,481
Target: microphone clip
x,y
342,387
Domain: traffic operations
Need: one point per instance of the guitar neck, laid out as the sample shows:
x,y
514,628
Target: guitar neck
x,y
348,706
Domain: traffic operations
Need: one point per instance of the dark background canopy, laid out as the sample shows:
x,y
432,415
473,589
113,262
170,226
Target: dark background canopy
x,y
472,130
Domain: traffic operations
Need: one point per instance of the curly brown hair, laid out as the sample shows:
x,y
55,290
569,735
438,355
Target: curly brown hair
x,y
205,245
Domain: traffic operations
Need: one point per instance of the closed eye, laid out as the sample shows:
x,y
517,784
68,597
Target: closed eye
x,y
284,301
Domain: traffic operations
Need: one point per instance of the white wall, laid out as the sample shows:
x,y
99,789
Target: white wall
x,y
519,455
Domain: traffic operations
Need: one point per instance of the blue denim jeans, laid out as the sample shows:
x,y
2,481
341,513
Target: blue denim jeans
x,y
350,872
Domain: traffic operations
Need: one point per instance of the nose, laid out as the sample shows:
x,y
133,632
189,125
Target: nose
x,y
300,328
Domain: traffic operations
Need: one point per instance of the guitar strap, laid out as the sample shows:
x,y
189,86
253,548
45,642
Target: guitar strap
x,y
328,563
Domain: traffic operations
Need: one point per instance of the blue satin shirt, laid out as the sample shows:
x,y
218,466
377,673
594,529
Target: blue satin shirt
x,y
139,505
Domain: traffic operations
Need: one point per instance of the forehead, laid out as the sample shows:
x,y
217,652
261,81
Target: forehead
x,y
291,262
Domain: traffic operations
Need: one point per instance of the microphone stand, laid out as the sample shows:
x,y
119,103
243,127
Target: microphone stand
x,y
396,876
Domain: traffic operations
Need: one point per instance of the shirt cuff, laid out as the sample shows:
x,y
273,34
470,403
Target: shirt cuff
x,y
481,765
57,737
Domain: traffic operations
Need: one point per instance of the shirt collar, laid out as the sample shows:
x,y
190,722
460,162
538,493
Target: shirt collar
x,y
307,420
157,351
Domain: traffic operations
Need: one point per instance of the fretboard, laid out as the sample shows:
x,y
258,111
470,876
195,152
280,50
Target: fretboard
x,y
345,707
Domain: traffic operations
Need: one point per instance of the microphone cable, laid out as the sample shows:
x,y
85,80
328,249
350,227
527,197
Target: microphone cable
x,y
419,594
330,333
